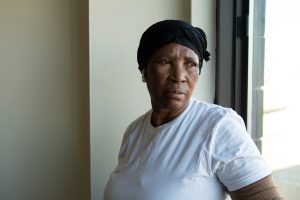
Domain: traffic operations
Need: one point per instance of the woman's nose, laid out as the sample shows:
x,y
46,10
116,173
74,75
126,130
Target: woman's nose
x,y
178,73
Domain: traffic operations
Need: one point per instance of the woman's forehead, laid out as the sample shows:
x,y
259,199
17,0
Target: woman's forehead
x,y
175,50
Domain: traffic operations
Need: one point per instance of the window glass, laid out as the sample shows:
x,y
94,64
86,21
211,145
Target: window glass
x,y
281,99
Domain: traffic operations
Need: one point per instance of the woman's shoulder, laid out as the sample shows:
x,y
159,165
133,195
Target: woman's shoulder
x,y
139,122
211,110
209,116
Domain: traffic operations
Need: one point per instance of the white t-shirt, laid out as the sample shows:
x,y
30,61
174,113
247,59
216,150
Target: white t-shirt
x,y
198,155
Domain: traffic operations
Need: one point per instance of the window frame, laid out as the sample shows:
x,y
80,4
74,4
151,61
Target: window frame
x,y
232,55
240,69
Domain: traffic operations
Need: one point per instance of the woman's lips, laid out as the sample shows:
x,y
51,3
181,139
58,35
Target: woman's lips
x,y
175,93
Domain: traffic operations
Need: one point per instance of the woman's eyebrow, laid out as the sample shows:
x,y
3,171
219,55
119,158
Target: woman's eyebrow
x,y
191,58
162,55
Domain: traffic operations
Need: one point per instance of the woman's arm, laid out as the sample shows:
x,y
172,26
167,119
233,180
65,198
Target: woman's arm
x,y
264,189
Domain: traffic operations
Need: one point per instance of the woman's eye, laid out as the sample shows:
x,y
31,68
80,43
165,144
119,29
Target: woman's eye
x,y
192,64
165,61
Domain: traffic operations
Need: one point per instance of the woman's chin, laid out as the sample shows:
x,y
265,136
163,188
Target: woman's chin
x,y
175,104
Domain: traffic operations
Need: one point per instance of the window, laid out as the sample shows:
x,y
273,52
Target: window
x,y
257,74
275,82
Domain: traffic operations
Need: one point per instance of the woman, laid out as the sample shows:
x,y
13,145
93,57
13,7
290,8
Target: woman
x,y
184,149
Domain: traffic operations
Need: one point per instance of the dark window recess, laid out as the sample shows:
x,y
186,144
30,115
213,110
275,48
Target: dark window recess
x,y
232,55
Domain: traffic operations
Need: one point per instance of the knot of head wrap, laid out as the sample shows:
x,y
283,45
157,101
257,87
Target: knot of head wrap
x,y
168,31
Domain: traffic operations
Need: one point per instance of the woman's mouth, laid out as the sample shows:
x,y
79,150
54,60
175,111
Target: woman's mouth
x,y
175,93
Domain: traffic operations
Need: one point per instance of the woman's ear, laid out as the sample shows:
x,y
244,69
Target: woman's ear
x,y
143,76
142,68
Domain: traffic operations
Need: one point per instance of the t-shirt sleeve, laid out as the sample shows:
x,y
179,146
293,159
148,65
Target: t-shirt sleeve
x,y
239,162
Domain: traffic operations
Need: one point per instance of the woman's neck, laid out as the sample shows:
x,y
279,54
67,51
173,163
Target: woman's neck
x,y
163,116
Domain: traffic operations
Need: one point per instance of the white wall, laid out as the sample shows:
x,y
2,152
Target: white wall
x,y
118,95
44,105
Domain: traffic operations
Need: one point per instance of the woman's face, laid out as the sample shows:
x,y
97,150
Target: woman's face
x,y
171,75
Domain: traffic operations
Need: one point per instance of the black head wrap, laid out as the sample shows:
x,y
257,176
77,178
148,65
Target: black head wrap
x,y
168,31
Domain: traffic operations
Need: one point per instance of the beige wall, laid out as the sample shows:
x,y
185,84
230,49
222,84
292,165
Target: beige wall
x,y
203,14
44,105
44,95
117,93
